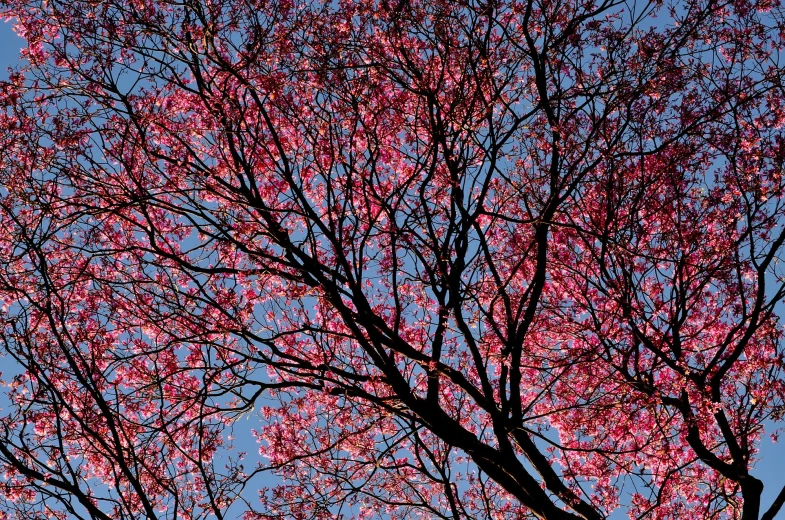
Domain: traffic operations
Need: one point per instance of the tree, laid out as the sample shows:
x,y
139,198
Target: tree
x,y
477,259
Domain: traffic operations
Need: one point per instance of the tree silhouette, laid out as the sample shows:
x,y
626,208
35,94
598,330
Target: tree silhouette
x,y
476,259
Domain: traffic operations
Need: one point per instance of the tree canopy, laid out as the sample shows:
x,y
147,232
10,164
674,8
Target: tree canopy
x,y
495,259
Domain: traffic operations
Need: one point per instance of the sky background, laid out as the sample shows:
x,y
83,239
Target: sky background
x,y
770,469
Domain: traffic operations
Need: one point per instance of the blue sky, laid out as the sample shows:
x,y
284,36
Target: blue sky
x,y
10,44
771,468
